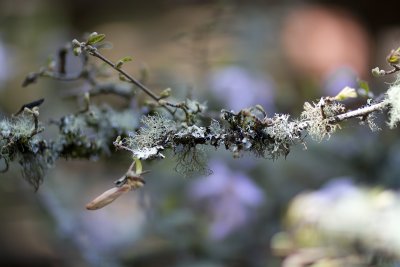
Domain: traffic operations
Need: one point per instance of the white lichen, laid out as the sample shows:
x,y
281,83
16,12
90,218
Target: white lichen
x,y
148,153
282,128
393,99
152,133
318,116
282,132
194,131
5,128
370,121
22,126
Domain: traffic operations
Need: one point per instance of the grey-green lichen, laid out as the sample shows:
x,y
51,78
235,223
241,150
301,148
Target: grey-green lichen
x,y
283,134
18,142
17,130
191,160
393,99
154,131
318,116
87,134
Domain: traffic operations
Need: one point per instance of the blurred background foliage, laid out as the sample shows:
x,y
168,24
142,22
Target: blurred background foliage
x,y
332,205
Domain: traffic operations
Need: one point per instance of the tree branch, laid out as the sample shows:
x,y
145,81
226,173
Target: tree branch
x,y
248,130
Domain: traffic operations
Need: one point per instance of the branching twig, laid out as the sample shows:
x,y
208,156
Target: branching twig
x,y
95,53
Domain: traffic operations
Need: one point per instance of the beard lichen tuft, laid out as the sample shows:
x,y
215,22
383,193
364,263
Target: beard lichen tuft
x,y
191,160
152,133
34,168
370,121
318,117
393,99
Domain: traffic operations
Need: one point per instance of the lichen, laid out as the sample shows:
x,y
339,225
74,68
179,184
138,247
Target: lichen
x,y
318,117
282,134
34,168
5,128
192,132
393,99
148,153
152,133
191,160
22,126
370,121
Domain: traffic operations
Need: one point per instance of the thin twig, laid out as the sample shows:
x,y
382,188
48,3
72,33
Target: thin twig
x,y
396,68
95,53
121,146
156,98
360,112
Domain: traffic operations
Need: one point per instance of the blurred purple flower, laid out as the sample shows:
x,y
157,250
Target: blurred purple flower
x,y
230,198
334,190
338,80
316,203
100,236
239,88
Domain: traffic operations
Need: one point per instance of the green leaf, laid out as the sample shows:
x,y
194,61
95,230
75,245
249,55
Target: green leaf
x,y
95,38
139,168
120,62
104,45
363,85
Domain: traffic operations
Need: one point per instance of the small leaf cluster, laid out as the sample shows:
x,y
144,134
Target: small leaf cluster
x,y
393,59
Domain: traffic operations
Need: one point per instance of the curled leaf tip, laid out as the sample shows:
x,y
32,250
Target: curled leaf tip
x,y
139,168
107,197
346,93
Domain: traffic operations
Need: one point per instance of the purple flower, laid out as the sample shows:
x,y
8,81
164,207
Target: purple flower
x,y
336,189
314,205
238,88
99,235
229,197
